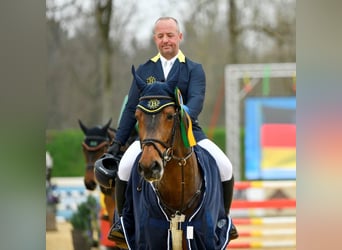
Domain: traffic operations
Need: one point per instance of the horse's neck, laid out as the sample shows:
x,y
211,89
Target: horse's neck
x,y
187,171
180,183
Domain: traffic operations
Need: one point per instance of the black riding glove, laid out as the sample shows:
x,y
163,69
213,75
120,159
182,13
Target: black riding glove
x,y
114,149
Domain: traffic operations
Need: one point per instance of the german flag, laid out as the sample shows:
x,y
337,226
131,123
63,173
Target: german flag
x,y
278,138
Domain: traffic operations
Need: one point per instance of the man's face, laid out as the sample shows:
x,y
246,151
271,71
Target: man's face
x,y
167,38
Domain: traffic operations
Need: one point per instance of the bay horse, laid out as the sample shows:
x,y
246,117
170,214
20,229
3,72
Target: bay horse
x,y
174,198
95,144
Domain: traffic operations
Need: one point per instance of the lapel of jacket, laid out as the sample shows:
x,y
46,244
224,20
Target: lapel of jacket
x,y
159,68
180,59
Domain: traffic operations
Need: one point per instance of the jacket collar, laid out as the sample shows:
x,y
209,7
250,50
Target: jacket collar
x,y
180,57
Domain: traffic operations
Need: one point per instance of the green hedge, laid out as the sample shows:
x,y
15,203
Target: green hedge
x,y
219,137
65,148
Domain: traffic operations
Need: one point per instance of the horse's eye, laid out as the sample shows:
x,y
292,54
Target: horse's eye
x,y
169,116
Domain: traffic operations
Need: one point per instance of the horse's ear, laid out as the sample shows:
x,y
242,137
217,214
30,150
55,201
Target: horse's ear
x,y
105,127
108,124
140,82
83,127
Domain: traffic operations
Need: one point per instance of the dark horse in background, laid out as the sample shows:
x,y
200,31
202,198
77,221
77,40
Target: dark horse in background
x,y
95,144
174,197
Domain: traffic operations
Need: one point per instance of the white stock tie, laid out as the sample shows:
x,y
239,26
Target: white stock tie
x,y
167,67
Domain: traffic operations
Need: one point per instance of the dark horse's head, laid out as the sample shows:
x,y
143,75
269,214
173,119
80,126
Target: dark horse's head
x,y
157,116
95,144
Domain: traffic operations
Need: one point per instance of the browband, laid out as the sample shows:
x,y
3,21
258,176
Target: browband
x,y
156,97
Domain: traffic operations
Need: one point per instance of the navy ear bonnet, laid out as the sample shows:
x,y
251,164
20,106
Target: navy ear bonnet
x,y
154,96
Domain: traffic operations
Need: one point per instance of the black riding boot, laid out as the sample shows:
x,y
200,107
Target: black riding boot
x,y
228,188
116,233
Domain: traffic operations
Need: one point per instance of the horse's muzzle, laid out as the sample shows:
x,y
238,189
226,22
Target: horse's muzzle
x,y
151,173
90,185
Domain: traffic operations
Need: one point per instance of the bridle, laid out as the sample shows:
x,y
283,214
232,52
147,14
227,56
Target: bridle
x,y
103,144
92,150
168,153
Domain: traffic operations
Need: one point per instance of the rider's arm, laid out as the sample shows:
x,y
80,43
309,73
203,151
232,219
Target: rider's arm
x,y
196,91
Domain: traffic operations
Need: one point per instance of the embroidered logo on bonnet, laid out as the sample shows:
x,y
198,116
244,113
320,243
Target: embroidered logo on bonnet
x,y
153,103
151,79
154,95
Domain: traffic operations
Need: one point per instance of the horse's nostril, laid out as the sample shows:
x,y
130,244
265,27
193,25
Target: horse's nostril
x,y
90,185
155,167
151,172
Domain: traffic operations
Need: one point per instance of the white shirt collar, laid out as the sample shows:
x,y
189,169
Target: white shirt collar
x,y
172,60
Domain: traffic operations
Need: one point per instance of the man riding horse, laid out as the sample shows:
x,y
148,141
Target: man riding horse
x,y
192,84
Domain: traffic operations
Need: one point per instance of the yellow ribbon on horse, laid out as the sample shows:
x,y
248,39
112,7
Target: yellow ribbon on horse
x,y
186,131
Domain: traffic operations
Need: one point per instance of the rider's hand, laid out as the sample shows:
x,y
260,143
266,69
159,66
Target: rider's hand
x,y
114,149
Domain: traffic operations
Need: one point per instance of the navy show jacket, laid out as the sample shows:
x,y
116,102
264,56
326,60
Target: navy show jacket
x,y
191,83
